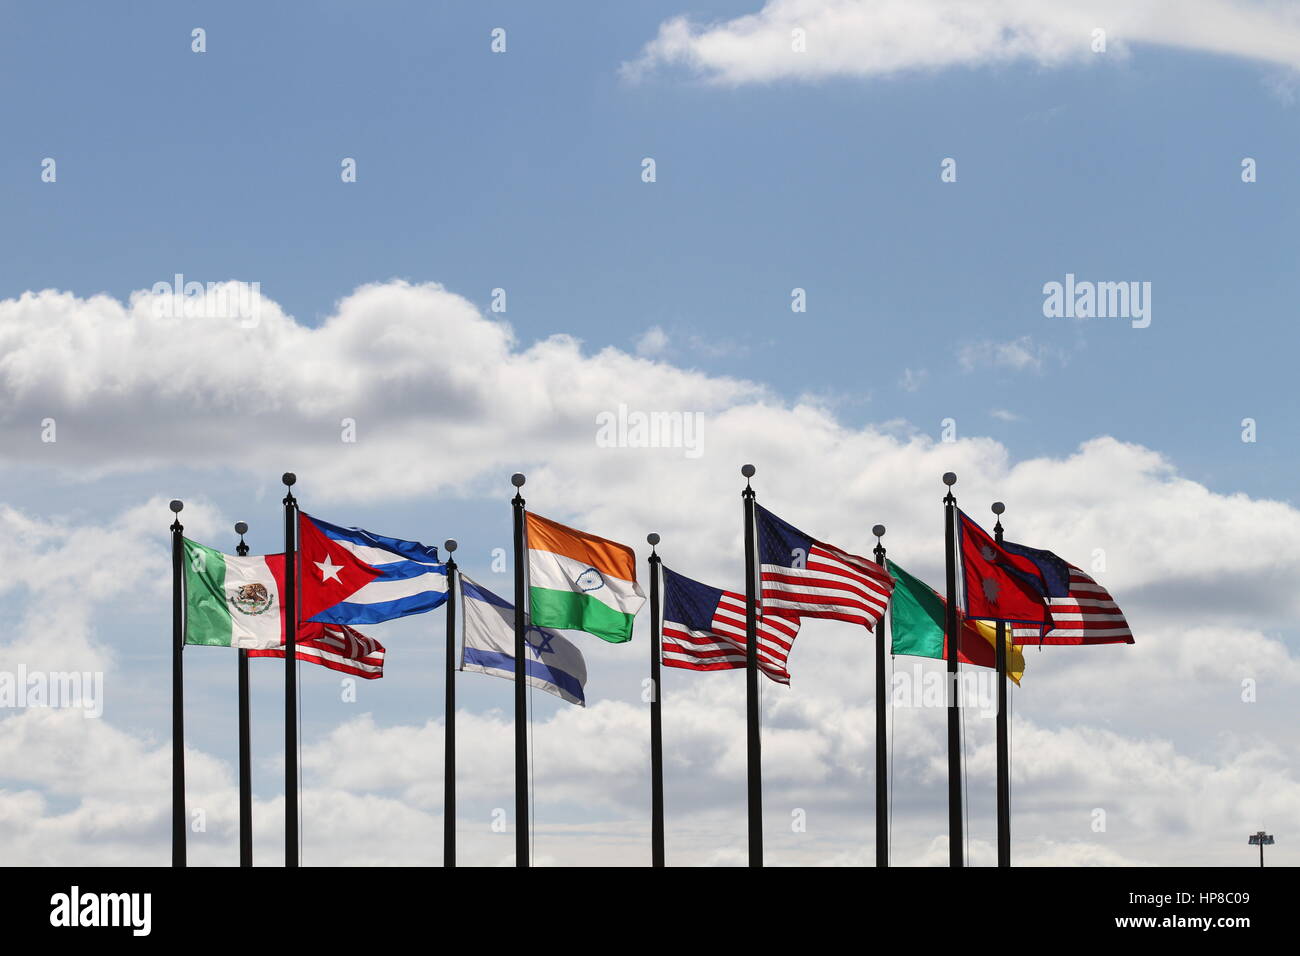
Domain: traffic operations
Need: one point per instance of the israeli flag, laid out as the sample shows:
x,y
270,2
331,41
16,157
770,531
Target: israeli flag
x,y
554,664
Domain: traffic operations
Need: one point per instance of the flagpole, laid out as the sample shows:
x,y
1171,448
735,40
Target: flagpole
x,y
882,770
290,600
1003,749
753,741
178,687
656,718
521,700
954,642
245,746
449,721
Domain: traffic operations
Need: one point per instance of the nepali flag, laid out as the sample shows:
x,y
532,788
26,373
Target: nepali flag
x,y
336,646
350,576
999,585
1080,610
804,577
704,630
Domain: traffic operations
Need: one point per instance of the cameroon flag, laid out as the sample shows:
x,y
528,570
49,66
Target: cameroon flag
x,y
579,582
916,621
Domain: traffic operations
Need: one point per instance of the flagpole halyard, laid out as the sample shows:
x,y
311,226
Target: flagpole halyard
x,y
656,717
521,699
753,741
290,602
1003,743
882,772
953,640
449,720
245,741
178,686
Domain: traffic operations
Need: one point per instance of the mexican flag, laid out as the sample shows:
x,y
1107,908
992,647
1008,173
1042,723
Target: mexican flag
x,y
579,582
232,601
917,615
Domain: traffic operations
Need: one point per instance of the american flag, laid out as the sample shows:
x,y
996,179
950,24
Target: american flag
x,y
804,577
336,646
1082,611
704,630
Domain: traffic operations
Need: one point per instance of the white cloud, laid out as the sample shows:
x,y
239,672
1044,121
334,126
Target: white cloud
x,y
1019,355
865,38
1205,578
912,379
653,342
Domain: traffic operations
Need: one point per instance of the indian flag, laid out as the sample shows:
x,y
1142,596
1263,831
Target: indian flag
x,y
232,601
579,582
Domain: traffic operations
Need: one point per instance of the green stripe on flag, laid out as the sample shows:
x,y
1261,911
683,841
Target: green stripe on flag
x,y
207,616
574,611
916,616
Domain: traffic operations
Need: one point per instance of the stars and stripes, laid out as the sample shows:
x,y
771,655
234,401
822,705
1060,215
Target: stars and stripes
x,y
1081,611
336,646
704,630
803,577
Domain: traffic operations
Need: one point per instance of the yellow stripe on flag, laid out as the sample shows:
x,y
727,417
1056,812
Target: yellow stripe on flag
x,y
1015,659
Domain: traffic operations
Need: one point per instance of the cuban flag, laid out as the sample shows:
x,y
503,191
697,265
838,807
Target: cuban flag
x,y
350,576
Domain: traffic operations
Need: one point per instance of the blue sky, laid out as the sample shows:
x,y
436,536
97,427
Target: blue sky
x,y
522,171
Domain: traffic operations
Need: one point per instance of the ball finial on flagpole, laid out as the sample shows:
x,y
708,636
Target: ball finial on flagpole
x,y
949,478
241,528
878,531
652,539
998,507
748,470
176,505
517,479
450,544
289,478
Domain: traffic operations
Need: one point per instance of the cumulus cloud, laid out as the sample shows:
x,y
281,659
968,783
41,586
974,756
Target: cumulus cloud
x,y
1205,578
867,38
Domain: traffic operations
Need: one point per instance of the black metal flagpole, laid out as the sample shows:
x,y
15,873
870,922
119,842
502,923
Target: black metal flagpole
x,y
882,771
178,687
449,720
954,642
754,743
521,699
290,601
1003,748
245,742
656,720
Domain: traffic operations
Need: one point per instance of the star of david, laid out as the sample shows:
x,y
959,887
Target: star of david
x,y
541,647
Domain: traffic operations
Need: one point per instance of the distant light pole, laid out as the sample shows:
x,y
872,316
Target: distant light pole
x,y
1261,839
